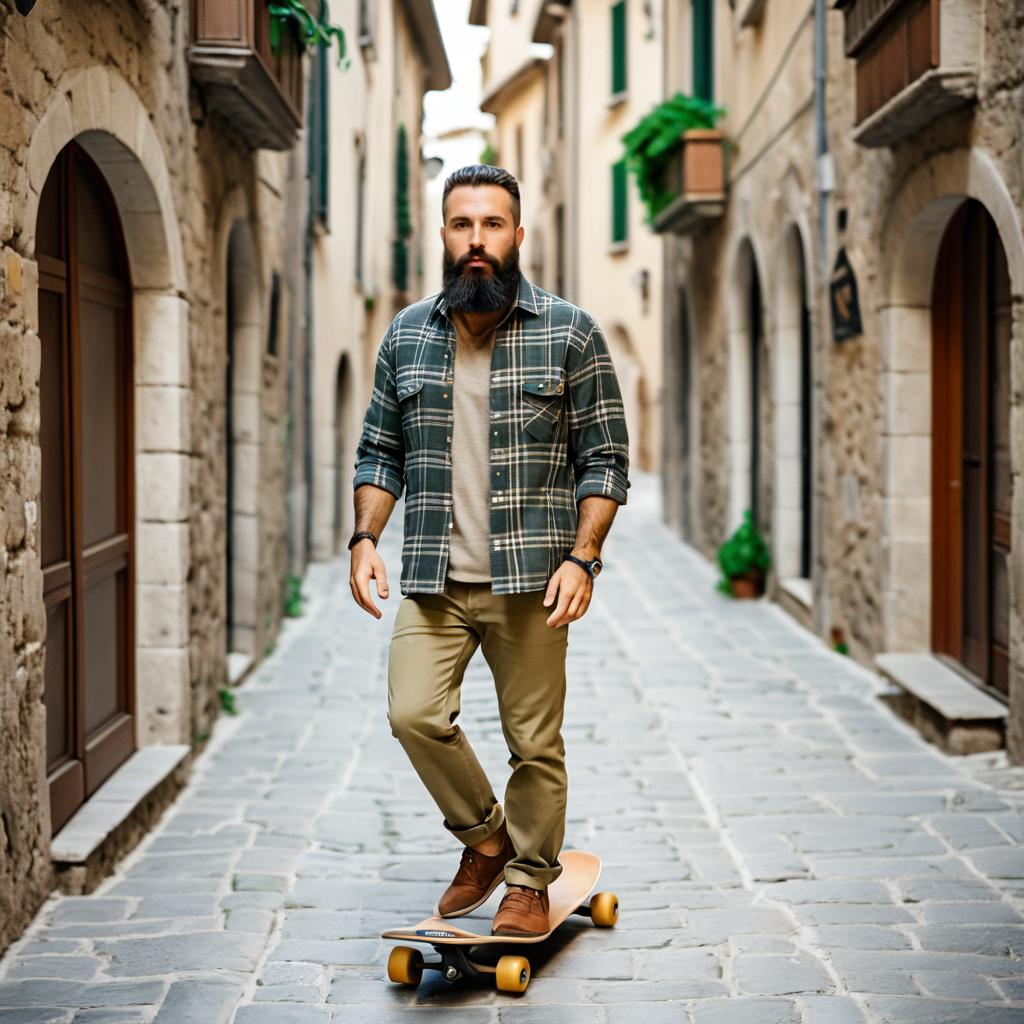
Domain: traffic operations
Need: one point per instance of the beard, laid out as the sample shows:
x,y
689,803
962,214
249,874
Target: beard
x,y
476,291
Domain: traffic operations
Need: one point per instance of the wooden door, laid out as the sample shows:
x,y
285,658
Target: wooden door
x,y
972,486
86,503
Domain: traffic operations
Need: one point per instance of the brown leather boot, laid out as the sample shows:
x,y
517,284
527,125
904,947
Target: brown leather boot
x,y
523,911
478,876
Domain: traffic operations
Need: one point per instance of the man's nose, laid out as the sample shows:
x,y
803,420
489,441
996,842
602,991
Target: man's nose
x,y
476,238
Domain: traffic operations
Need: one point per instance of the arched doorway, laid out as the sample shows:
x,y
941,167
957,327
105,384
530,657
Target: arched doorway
x,y
792,511
342,476
746,348
971,475
243,346
87,502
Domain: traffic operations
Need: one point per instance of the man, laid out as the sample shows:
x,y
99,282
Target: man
x,y
496,406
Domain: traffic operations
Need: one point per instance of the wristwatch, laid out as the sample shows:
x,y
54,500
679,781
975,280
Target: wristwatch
x,y
594,566
362,535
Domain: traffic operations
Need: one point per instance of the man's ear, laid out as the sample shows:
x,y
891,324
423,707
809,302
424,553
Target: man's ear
x,y
520,233
442,232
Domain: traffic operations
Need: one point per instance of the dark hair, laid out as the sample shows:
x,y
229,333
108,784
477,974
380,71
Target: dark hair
x,y
483,174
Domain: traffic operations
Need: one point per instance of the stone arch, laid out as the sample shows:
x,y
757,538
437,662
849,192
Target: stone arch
x,y
746,318
98,109
916,222
791,330
239,301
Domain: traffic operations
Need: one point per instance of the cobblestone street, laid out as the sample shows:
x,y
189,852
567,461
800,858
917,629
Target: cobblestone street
x,y
785,850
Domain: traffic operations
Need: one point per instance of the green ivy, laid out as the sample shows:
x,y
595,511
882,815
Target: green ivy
x,y
311,29
488,155
655,139
293,596
403,220
745,550
227,700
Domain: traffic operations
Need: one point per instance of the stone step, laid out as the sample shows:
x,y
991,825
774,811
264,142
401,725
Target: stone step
x,y
945,707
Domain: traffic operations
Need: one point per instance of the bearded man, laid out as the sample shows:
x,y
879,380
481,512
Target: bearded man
x,y
496,407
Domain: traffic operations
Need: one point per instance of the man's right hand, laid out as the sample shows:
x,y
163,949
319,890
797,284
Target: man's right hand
x,y
367,565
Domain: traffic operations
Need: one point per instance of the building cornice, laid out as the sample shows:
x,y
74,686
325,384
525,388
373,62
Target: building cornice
x,y
427,35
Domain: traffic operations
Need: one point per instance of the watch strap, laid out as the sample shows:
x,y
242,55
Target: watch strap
x,y
582,564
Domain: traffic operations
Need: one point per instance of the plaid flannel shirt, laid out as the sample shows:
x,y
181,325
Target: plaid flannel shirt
x,y
558,434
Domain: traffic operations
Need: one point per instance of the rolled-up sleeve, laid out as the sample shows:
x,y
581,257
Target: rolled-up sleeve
x,y
598,439
380,453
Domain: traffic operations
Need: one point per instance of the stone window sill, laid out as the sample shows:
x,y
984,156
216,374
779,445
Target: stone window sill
x,y
800,589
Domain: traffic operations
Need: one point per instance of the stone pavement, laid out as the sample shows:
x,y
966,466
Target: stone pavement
x,y
785,850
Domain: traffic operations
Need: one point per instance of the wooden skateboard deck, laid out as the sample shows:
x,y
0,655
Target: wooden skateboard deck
x,y
567,895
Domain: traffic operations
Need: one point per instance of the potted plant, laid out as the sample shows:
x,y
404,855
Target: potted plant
x,y
655,144
744,559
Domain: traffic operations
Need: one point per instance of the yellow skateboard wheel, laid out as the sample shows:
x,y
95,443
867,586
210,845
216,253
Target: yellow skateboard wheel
x,y
512,974
405,966
604,909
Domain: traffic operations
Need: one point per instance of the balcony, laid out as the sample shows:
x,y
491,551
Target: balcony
x,y
696,176
244,81
916,60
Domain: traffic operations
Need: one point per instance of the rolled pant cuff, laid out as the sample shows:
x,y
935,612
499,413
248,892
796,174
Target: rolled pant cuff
x,y
478,833
540,878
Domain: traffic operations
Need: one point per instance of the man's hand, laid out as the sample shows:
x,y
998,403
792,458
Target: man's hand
x,y
368,565
574,587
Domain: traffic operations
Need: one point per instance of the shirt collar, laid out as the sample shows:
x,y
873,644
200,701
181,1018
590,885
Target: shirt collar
x,y
526,299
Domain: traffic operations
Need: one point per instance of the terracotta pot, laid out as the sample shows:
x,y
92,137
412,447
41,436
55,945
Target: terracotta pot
x,y
747,586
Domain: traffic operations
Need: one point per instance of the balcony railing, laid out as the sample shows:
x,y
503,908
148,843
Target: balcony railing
x,y
244,80
696,176
916,60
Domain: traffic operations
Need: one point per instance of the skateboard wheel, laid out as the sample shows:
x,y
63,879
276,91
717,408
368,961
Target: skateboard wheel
x,y
512,974
405,966
604,909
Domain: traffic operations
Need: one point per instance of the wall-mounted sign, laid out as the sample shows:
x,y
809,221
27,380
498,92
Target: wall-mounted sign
x,y
845,304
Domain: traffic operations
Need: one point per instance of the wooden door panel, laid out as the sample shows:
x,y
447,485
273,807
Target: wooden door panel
x,y
86,507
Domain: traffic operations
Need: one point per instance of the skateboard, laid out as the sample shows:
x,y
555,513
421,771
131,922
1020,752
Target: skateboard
x,y
571,893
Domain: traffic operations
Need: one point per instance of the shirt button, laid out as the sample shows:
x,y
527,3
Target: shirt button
x,y
449,440
494,499
445,395
495,433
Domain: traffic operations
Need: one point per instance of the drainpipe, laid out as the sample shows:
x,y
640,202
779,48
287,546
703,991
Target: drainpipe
x,y
825,170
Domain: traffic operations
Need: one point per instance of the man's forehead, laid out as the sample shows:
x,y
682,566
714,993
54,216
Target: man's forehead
x,y
480,200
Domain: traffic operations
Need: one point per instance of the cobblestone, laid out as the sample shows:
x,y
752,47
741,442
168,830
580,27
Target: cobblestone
x,y
784,849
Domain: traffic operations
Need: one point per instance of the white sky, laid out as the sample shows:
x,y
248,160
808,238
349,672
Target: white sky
x,y
459,106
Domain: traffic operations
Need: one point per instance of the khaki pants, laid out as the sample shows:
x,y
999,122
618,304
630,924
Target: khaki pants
x,y
434,637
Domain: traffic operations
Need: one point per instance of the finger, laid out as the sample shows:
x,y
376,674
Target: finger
x,y
549,594
381,574
557,617
365,600
576,603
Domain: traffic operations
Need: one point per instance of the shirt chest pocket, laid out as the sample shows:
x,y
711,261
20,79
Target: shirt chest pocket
x,y
542,397
411,398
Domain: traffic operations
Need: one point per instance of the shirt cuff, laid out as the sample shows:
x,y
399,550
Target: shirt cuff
x,y
380,475
606,483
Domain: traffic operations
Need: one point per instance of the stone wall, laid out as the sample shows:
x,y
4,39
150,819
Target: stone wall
x,y
120,68
871,506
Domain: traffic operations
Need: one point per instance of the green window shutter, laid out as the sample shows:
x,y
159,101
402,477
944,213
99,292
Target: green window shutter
x,y
620,204
704,49
618,47
323,132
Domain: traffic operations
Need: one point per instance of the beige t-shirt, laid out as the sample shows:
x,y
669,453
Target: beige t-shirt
x,y
469,558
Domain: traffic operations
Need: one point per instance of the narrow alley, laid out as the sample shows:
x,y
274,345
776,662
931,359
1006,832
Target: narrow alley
x,y
785,850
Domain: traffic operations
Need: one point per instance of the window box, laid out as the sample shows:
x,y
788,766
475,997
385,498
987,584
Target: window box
x,y
257,90
916,60
696,174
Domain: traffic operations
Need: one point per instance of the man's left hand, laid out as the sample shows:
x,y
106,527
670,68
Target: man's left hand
x,y
574,587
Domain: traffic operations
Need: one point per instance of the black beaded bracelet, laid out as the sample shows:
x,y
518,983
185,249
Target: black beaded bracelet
x,y
362,535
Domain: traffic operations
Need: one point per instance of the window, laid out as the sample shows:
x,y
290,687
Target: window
x,y
519,153
704,49
620,195
365,22
319,142
618,13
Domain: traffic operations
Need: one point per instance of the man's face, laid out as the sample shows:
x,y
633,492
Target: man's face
x,y
481,248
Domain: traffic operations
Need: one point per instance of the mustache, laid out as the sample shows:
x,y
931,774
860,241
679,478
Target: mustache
x,y
462,262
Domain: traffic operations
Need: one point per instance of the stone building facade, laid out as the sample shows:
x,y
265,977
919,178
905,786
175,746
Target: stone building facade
x,y
877,143
374,114
147,313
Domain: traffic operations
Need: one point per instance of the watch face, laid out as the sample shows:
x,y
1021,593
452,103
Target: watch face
x,y
596,566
